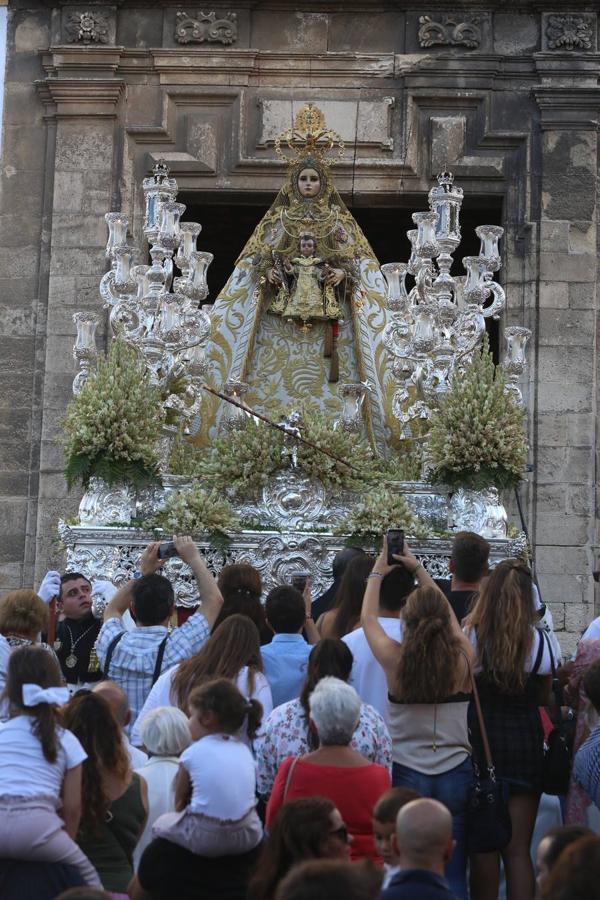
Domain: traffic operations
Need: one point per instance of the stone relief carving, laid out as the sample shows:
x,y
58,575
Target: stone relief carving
x,y
570,32
206,26
86,27
449,31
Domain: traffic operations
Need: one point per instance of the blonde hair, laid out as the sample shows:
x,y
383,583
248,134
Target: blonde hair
x,y
504,617
22,612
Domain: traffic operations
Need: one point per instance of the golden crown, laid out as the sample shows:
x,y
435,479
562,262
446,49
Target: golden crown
x,y
309,137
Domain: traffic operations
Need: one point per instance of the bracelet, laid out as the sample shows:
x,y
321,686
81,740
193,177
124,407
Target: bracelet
x,y
307,618
375,575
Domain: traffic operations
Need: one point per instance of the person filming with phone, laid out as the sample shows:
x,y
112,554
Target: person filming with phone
x,y
427,674
135,659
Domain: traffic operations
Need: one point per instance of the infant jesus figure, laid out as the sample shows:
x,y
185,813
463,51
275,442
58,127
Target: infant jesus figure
x,y
312,294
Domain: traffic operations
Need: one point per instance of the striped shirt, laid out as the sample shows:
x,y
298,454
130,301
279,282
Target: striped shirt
x,y
134,657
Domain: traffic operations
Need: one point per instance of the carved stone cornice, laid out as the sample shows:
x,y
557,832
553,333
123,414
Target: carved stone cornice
x,y
77,97
81,62
568,108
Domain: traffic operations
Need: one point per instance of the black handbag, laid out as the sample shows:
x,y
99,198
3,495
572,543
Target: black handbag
x,y
558,760
489,827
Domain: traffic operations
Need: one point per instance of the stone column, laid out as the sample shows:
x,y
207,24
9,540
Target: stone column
x,y
82,98
566,342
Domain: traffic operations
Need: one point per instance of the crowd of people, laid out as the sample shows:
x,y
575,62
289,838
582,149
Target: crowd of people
x,y
397,737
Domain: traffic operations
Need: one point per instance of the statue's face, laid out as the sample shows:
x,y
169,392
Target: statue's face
x,y
307,246
309,182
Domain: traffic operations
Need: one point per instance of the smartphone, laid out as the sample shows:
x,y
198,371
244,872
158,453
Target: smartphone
x,y
167,550
395,545
299,580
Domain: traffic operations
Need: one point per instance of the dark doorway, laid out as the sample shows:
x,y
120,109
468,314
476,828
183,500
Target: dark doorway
x,y
226,226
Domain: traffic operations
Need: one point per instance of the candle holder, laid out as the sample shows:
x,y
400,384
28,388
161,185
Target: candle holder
x,y
154,311
440,321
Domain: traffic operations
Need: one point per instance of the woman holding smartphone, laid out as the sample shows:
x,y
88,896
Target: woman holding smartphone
x,y
427,674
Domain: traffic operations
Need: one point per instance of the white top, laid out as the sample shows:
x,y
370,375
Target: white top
x,y
223,776
368,678
161,695
159,774
137,757
545,667
24,770
592,631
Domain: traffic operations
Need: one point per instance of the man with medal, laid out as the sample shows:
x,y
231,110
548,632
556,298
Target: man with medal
x,y
77,628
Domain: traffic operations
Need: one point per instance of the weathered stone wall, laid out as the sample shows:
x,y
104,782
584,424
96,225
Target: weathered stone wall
x,y
507,99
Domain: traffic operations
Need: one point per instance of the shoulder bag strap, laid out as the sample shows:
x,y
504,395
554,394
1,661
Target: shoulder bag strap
x,y
288,780
556,688
482,729
110,651
159,660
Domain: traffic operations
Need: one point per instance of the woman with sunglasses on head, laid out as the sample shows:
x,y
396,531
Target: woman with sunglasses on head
x,y
513,669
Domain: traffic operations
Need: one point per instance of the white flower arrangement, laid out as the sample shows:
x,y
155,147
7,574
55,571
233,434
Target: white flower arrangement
x,y
112,427
196,511
379,510
477,437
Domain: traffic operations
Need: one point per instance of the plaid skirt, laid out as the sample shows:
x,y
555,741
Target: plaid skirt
x,y
515,732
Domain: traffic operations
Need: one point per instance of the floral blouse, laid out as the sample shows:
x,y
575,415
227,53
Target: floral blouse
x,y
286,734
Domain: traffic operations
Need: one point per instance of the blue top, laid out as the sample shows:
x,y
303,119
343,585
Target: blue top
x,y
285,661
418,884
587,766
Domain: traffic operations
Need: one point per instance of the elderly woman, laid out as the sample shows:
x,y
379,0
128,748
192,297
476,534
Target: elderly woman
x,y
287,732
335,770
165,734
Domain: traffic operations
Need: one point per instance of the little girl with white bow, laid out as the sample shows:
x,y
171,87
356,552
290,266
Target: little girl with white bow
x,y
40,768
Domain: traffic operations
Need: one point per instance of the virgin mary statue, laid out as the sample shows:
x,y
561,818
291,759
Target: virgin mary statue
x,y
304,311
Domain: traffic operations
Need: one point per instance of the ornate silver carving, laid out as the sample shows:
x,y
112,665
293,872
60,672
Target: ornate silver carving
x,y
450,31
105,505
87,27
479,511
211,27
297,503
570,31
114,553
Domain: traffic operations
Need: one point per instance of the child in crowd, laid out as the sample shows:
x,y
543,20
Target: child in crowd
x,y
216,785
40,767
385,812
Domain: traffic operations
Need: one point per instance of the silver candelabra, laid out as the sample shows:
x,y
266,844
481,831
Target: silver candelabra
x,y
153,308
440,322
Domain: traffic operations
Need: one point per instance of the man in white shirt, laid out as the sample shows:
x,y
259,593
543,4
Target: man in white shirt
x,y
367,677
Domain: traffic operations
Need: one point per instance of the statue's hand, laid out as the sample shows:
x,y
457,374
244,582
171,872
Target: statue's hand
x,y
334,276
273,276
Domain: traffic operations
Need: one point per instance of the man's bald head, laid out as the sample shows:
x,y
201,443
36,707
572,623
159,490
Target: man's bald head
x,y
116,698
424,835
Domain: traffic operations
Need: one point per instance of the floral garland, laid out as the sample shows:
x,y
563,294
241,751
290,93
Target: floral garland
x,y
477,437
113,425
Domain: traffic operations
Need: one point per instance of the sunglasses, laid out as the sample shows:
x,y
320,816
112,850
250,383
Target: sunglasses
x,y
341,833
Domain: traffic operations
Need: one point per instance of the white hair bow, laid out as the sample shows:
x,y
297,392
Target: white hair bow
x,y
34,694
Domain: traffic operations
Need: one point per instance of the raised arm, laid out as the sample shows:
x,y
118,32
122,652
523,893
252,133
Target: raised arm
x,y
211,600
310,629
